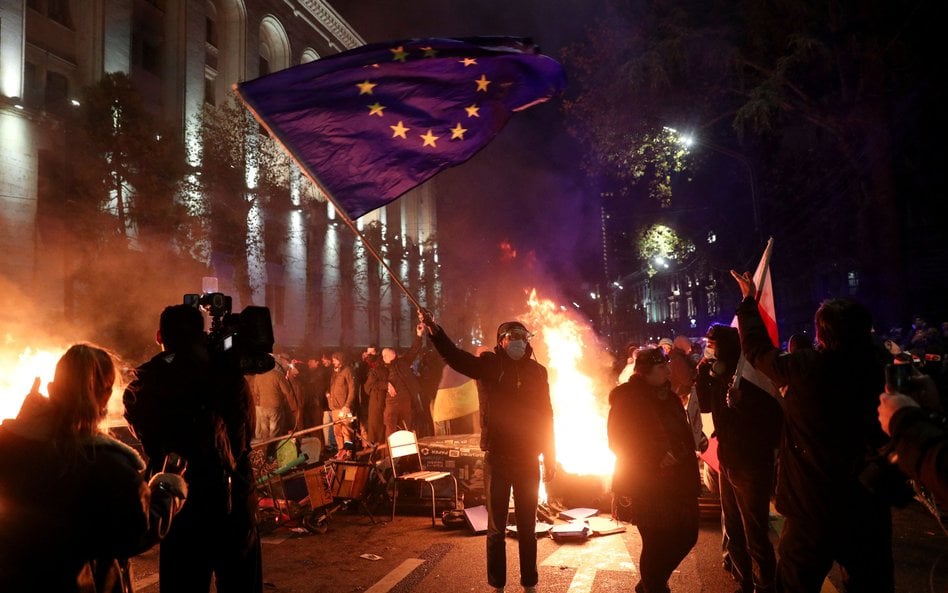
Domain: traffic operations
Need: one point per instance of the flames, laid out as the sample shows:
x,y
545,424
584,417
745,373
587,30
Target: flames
x,y
19,366
578,387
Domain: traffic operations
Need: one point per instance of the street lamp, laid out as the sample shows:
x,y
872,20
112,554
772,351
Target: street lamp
x,y
688,140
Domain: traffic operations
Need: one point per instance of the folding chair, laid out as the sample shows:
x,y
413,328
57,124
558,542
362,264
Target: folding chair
x,y
403,444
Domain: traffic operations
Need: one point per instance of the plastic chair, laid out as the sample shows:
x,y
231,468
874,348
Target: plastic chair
x,y
403,444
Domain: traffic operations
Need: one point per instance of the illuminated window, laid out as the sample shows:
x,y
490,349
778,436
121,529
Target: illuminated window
x,y
853,278
674,310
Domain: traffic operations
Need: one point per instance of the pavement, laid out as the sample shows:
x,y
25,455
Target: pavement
x,y
408,555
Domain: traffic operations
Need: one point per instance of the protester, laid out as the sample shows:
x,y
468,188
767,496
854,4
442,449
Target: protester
x,y
748,432
73,502
919,433
830,437
514,394
402,389
656,482
277,408
194,404
341,397
314,386
375,390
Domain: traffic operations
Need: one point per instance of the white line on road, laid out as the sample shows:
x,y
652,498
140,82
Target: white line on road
x,y
401,571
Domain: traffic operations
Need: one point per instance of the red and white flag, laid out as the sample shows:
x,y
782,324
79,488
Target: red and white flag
x,y
765,304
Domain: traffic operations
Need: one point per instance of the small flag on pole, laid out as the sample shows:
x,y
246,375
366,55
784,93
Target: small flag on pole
x,y
765,304
372,123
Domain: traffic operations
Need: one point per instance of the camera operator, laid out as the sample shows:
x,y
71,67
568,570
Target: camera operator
x,y
191,402
919,431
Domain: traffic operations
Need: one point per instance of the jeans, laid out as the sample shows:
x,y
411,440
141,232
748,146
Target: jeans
x,y
522,476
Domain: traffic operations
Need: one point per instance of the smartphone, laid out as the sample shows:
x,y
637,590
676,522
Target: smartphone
x,y
898,378
174,464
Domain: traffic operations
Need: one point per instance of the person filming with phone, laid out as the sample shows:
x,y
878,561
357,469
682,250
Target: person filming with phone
x,y
910,413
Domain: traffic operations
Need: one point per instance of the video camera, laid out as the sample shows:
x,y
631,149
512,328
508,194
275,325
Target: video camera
x,y
244,339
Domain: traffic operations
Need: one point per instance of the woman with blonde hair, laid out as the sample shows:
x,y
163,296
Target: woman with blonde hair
x,y
74,505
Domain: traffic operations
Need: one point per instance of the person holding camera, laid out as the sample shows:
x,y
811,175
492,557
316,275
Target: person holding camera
x,y
75,505
190,401
910,412
831,438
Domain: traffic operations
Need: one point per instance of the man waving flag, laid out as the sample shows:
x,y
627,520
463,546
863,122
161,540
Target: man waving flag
x,y
765,304
369,124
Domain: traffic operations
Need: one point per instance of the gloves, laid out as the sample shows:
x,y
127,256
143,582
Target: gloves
x,y
170,483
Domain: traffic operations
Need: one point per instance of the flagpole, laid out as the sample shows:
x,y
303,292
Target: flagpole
x,y
332,200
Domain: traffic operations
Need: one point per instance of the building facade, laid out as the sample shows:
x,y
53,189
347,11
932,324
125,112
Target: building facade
x,y
320,284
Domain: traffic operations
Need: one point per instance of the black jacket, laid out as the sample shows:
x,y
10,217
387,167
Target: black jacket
x,y
645,424
516,412
831,426
749,432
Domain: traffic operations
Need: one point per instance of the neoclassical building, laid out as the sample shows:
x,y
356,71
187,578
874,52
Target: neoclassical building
x,y
180,54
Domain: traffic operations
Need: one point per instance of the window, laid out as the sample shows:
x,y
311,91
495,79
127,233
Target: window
x,y
692,310
674,310
210,30
57,90
210,97
58,11
713,306
853,278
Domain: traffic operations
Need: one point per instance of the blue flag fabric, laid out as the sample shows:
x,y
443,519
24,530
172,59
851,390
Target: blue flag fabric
x,y
371,123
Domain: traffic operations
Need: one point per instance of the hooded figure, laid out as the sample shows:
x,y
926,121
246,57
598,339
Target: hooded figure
x,y
516,427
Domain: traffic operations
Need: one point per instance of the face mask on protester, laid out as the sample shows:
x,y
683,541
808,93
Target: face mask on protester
x,y
516,349
709,353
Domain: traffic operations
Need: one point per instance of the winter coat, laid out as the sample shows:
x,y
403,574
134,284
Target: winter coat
x,y
831,426
66,523
342,389
645,425
516,412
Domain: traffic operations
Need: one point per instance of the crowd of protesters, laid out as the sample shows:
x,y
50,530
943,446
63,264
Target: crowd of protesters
x,y
828,439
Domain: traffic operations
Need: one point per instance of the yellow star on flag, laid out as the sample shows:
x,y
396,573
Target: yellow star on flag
x,y
399,131
430,52
376,109
429,139
365,88
458,132
473,111
468,62
482,83
399,53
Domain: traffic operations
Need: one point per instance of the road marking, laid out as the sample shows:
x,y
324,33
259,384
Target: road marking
x,y
607,552
388,582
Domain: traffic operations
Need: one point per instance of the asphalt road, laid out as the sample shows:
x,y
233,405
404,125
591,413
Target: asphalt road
x,y
418,558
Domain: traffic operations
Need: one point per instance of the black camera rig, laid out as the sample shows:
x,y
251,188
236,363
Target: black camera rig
x,y
244,339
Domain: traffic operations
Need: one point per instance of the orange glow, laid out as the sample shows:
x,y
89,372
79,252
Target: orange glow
x,y
570,351
507,251
18,368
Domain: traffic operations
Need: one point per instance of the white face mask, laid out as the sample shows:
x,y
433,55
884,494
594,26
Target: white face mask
x,y
516,349
709,353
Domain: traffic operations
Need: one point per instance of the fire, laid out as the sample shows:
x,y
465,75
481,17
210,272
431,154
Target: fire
x,y
579,400
18,369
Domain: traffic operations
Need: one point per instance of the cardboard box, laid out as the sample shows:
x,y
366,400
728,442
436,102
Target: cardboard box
x,y
461,455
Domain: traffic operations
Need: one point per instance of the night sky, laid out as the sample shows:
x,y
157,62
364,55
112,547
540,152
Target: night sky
x,y
526,186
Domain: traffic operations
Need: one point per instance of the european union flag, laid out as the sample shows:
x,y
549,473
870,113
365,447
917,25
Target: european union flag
x,y
371,123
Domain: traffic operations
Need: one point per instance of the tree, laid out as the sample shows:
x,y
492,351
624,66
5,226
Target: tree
x,y
131,167
807,93
240,169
